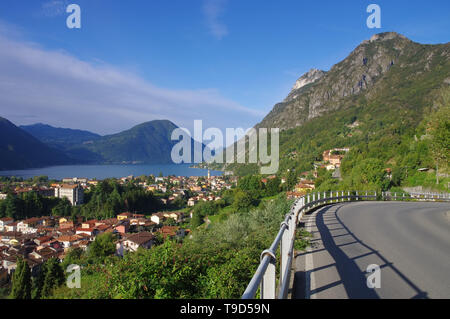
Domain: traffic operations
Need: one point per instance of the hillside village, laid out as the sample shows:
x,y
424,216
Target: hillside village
x,y
38,239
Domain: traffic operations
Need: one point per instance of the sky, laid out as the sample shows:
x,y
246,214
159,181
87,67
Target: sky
x,y
226,62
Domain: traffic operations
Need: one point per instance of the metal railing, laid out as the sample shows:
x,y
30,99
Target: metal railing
x,y
265,276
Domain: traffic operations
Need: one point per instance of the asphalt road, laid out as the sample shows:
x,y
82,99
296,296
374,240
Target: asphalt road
x,y
410,242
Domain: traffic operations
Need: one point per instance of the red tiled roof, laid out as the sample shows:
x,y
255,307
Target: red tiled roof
x,y
141,238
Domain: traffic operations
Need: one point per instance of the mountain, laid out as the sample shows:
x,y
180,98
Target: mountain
x,y
148,143
377,102
20,150
375,68
61,138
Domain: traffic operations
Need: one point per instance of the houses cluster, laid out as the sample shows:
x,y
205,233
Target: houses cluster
x,y
22,188
203,189
169,187
38,239
300,189
332,159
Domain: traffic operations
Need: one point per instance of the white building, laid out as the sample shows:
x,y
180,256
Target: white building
x,y
74,193
5,221
133,242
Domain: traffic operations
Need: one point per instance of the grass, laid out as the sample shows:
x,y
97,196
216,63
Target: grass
x,y
223,214
4,292
302,239
428,180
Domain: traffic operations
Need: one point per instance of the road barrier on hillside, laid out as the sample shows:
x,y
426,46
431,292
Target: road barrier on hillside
x,y
265,276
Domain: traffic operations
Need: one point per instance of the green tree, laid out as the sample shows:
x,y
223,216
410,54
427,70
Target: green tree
x,y
273,186
291,179
38,282
243,201
197,219
54,277
103,246
439,129
73,257
63,208
12,206
21,281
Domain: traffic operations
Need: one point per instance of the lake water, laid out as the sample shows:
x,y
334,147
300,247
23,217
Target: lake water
x,y
107,171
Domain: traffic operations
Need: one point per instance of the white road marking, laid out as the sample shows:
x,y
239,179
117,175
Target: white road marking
x,y
309,265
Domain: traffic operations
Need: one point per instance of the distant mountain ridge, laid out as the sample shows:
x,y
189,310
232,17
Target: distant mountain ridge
x,y
20,150
61,138
146,143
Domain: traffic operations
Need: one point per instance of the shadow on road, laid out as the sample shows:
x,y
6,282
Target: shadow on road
x,y
351,277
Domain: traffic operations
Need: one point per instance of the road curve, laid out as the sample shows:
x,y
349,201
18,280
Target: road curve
x,y
409,241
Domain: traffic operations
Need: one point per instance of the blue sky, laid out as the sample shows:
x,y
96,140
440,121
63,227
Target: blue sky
x,y
224,61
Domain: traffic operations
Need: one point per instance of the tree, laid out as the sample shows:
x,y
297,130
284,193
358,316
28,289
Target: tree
x,y
243,201
103,246
38,282
12,204
21,286
63,208
73,257
439,129
291,179
273,186
54,277
197,219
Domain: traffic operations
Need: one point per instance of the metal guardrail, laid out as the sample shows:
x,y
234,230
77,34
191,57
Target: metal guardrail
x,y
265,275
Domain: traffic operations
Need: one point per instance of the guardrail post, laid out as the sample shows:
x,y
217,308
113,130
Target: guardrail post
x,y
269,281
284,250
357,198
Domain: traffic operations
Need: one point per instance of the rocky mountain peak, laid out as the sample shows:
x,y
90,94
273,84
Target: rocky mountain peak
x,y
309,77
385,36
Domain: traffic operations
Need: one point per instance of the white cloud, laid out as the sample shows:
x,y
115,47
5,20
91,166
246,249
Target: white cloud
x,y
212,9
54,87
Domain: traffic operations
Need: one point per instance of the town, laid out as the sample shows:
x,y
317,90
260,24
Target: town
x,y
37,239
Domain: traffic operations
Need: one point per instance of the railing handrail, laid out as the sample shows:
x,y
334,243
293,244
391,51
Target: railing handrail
x,y
265,275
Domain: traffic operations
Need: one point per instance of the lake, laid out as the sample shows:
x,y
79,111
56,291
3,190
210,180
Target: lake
x,y
108,171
